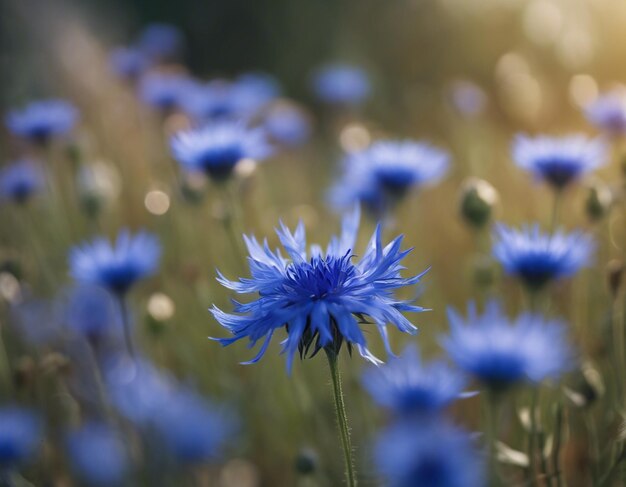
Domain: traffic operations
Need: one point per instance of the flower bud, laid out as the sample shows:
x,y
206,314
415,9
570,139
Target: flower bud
x,y
599,200
478,198
615,273
306,461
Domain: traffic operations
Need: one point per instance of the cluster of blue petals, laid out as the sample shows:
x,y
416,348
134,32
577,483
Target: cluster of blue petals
x,y
116,267
20,181
40,121
20,435
559,160
502,352
341,84
382,174
320,295
408,386
608,112
538,258
428,453
216,149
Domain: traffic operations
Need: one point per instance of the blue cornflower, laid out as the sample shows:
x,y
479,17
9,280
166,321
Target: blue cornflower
x,y
97,455
406,385
20,181
538,258
210,101
40,121
382,174
217,148
608,112
254,91
90,311
128,62
559,160
319,298
165,91
20,435
287,124
467,98
503,353
161,41
116,267
428,453
341,84
193,431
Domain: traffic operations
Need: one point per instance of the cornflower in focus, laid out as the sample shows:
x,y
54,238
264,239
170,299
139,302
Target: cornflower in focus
x,y
381,175
41,121
20,181
406,385
428,453
502,353
538,258
320,297
216,149
559,161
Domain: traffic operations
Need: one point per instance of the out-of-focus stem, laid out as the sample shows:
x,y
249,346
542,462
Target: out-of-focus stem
x,y
532,439
126,325
491,436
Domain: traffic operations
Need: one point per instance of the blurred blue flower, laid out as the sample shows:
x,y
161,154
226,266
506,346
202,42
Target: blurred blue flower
x,y
137,389
341,84
319,298
90,311
161,41
503,353
406,385
287,124
559,160
210,101
128,63
40,121
116,267
192,430
165,91
428,454
381,175
217,148
20,181
97,455
20,435
538,258
254,91
467,98
608,112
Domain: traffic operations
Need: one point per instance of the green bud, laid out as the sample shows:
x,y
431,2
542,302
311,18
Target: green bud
x,y
478,198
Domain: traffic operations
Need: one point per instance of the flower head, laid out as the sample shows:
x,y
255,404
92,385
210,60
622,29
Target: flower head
x,y
341,84
319,298
287,124
382,174
538,258
116,267
559,160
165,91
20,181
97,455
128,62
428,454
90,312
20,434
608,112
42,120
467,98
503,353
216,149
161,41
406,385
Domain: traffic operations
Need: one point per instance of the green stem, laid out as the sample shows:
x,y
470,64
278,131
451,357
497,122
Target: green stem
x,y
556,449
556,210
618,338
232,222
532,439
126,326
491,431
342,419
